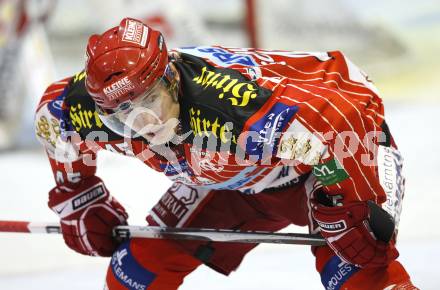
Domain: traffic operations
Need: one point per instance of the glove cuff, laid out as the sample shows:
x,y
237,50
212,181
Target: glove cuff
x,y
66,204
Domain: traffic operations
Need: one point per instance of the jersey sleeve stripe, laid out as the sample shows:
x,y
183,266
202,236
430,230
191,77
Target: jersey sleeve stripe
x,y
318,113
316,132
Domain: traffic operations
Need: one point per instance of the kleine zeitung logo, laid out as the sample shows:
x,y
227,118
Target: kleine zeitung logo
x,y
119,88
135,32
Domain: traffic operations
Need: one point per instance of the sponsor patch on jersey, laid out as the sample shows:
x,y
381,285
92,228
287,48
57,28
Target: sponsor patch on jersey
x,y
48,128
81,118
128,272
219,102
336,272
174,169
238,92
389,164
177,204
299,143
266,131
202,125
330,173
238,181
219,56
135,32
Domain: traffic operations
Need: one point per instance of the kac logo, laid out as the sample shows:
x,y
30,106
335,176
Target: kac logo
x,y
56,106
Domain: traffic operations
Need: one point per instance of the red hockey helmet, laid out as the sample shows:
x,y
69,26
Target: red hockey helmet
x,y
124,62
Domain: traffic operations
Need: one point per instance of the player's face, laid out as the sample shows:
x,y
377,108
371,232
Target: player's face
x,y
153,115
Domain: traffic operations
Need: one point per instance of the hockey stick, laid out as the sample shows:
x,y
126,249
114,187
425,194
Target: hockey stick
x,y
154,232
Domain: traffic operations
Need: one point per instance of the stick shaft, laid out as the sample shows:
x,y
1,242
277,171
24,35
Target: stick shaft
x,y
29,227
218,235
154,232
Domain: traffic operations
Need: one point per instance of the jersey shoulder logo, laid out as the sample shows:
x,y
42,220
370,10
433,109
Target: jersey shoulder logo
x,y
220,56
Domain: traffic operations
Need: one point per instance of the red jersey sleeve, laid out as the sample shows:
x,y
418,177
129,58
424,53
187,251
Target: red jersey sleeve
x,y
335,137
70,161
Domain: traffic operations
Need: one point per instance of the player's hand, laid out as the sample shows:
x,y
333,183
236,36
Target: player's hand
x,y
88,214
347,231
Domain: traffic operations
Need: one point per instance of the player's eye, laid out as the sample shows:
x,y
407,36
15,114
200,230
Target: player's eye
x,y
125,106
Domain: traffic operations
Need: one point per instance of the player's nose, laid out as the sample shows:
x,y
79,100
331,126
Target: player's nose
x,y
145,119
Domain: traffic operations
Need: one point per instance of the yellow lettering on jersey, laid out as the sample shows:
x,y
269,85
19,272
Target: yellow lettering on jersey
x,y
240,93
202,126
82,118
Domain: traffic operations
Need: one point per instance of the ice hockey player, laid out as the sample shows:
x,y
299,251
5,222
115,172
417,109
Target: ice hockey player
x,y
252,139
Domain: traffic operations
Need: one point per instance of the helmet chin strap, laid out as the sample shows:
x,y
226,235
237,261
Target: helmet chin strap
x,y
174,91
174,88
172,79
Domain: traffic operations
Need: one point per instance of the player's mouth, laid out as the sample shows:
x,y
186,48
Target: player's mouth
x,y
155,130
160,133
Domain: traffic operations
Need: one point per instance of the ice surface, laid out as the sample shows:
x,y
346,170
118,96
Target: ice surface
x,y
43,262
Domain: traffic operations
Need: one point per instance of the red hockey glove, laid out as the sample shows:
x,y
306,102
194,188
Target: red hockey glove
x,y
88,215
347,230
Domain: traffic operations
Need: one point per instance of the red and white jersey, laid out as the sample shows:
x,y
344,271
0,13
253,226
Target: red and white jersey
x,y
278,117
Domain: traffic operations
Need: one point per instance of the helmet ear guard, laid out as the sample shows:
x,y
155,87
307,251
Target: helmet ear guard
x,y
124,62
